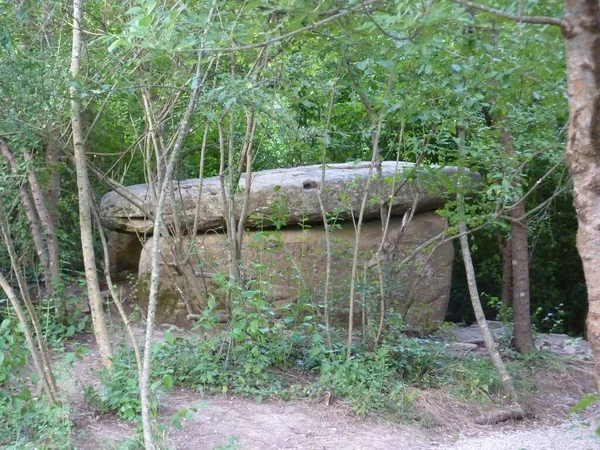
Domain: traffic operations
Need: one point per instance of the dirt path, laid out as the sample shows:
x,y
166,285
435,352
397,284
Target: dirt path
x,y
561,437
237,423
244,424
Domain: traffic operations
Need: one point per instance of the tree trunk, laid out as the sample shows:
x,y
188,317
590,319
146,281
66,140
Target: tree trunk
x,y
519,247
481,320
53,185
488,338
505,250
165,188
83,191
34,319
35,355
32,217
583,148
523,333
46,219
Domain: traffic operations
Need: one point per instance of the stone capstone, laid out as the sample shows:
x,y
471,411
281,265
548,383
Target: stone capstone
x,y
288,195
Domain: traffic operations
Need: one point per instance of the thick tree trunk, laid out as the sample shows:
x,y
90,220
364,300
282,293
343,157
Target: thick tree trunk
x,y
583,148
83,191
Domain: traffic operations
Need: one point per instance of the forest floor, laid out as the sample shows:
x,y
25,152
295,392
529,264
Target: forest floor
x,y
231,422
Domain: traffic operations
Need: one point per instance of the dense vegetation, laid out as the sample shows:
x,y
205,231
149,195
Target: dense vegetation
x,y
304,82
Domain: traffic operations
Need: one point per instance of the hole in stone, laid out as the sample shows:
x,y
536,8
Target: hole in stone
x,y
310,184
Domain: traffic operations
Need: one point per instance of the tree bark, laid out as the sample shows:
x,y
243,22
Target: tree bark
x,y
523,333
46,220
53,185
35,355
488,338
84,194
519,245
32,217
583,148
505,250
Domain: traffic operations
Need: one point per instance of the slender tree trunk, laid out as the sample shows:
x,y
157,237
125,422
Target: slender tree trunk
x,y
473,291
505,251
32,217
23,288
520,277
46,219
165,188
115,295
481,320
35,356
519,247
84,194
53,185
583,148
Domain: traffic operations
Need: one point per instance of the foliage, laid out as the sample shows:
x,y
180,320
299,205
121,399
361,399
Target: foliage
x,y
370,382
27,421
120,390
61,317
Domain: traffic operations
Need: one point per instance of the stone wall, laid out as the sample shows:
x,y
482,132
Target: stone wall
x,y
292,263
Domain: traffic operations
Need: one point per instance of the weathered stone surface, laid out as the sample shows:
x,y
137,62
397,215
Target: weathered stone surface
x,y
123,254
294,190
292,261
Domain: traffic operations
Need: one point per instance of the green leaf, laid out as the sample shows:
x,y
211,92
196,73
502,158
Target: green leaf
x,y
168,381
133,11
362,65
169,338
176,422
585,401
116,43
145,21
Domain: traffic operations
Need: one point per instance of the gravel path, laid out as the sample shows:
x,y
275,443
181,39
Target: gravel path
x,y
562,437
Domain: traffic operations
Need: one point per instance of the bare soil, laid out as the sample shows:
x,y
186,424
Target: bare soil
x,y
446,422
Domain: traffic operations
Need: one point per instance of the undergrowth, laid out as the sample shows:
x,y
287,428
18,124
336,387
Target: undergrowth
x,y
27,420
267,353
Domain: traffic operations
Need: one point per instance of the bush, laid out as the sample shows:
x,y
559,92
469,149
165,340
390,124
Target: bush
x,y
369,382
120,390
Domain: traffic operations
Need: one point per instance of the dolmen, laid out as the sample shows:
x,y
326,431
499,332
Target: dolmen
x,y
284,257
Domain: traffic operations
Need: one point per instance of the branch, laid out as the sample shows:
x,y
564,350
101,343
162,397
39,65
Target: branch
x,y
524,19
282,37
